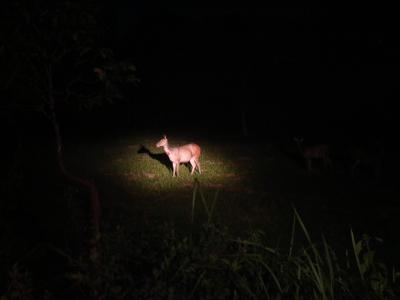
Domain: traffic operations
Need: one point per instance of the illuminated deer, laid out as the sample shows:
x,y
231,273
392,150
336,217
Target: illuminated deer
x,y
316,152
182,154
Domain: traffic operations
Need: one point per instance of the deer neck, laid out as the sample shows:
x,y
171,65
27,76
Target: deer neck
x,y
167,150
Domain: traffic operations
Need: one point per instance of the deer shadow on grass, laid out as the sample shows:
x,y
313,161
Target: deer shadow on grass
x,y
162,158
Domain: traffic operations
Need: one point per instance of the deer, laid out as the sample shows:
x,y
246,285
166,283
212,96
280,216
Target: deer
x,y
316,152
181,154
367,159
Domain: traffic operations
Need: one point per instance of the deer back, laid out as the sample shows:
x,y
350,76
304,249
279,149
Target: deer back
x,y
184,153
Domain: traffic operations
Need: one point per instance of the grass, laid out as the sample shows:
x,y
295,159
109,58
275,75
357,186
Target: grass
x,y
138,176
257,183
249,187
213,263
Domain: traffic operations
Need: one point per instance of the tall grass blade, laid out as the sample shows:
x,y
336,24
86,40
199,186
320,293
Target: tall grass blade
x,y
196,284
315,266
314,249
356,250
330,267
211,211
245,242
292,236
261,280
195,188
316,272
203,199
273,275
303,227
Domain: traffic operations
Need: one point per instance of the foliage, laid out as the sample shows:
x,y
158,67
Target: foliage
x,y
19,286
121,267
58,49
216,265
213,264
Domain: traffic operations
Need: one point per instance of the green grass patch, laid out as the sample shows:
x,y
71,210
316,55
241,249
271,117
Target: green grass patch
x,y
228,233
256,183
135,178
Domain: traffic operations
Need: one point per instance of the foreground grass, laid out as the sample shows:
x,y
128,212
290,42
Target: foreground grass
x,y
212,263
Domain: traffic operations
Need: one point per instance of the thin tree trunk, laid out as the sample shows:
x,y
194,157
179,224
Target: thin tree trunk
x,y
94,195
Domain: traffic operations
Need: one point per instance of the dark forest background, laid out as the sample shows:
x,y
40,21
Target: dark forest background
x,y
290,70
314,69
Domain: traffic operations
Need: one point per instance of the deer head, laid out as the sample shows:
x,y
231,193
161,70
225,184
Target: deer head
x,y
163,142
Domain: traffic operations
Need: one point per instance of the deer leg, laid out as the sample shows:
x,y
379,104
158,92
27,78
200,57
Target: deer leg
x,y
177,169
174,169
193,163
198,165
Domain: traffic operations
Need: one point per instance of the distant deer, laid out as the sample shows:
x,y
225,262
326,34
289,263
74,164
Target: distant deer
x,y
182,154
316,152
367,159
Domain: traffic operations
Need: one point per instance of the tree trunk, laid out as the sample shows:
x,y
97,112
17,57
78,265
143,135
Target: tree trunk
x,y
87,184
